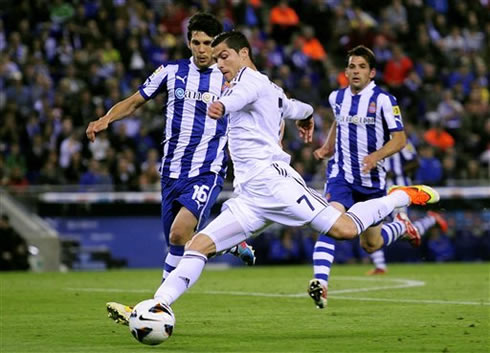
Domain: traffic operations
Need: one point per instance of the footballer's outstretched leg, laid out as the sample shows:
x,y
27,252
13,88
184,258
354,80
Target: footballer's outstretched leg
x,y
119,312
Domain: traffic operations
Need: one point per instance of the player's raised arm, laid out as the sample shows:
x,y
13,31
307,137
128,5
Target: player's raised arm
x,y
303,114
119,111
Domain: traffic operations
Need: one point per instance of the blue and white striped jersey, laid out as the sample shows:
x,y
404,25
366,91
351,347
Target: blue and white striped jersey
x,y
193,143
364,123
396,163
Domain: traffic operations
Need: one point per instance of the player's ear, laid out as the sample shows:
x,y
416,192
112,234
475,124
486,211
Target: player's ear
x,y
372,73
243,53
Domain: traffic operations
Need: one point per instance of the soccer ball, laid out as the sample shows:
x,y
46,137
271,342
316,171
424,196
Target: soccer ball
x,y
151,322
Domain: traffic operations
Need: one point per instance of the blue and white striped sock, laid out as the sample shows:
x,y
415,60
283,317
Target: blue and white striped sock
x,y
323,256
378,258
423,224
392,231
175,253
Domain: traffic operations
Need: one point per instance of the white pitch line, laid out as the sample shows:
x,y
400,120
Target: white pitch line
x,y
414,301
398,283
109,290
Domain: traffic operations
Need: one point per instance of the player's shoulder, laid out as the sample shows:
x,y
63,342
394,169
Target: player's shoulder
x,y
246,75
333,95
251,79
383,94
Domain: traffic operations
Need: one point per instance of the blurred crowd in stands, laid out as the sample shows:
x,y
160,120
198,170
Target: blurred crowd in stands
x,y
65,63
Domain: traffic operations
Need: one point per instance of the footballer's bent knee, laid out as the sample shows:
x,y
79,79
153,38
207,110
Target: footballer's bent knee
x,y
201,243
344,228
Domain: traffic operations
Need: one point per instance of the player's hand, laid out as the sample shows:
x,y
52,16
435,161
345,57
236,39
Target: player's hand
x,y
369,162
320,154
95,127
216,110
306,128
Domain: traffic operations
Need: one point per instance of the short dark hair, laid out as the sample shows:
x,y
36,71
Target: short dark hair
x,y
364,52
204,22
235,40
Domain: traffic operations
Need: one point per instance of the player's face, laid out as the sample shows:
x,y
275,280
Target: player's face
x,y
200,46
359,73
229,61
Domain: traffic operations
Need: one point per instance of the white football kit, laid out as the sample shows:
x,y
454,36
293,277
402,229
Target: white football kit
x,y
268,189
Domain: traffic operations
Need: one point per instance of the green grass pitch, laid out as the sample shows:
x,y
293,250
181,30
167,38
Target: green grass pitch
x,y
414,308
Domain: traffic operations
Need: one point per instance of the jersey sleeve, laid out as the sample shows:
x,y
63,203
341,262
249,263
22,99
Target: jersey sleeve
x,y
294,109
390,111
244,90
331,100
155,83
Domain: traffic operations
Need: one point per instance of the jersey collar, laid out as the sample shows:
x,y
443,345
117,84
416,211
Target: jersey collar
x,y
195,67
368,88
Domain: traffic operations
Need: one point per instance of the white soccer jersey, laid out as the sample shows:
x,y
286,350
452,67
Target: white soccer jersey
x,y
193,143
396,163
255,107
364,123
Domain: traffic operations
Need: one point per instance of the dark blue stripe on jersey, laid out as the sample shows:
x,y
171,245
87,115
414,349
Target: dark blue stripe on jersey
x,y
354,155
197,125
338,103
182,71
371,135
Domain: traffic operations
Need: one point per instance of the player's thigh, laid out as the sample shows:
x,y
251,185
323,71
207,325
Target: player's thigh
x,y
233,225
286,199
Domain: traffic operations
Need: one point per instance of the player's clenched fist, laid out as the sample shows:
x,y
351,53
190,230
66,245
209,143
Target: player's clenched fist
x,y
95,127
216,110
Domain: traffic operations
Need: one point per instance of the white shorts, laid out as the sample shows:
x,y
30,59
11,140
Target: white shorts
x,y
277,195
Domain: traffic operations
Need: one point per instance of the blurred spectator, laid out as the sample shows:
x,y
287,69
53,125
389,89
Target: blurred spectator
x,y
283,20
96,174
13,248
439,247
438,137
312,47
285,248
450,113
430,168
397,68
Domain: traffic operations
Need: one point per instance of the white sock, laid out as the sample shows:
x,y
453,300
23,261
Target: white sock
x,y
400,198
366,213
378,258
182,278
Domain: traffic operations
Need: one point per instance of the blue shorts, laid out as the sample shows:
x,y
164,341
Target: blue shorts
x,y
339,190
197,194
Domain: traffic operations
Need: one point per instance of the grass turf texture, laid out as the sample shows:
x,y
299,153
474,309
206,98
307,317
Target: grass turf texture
x,y
55,312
